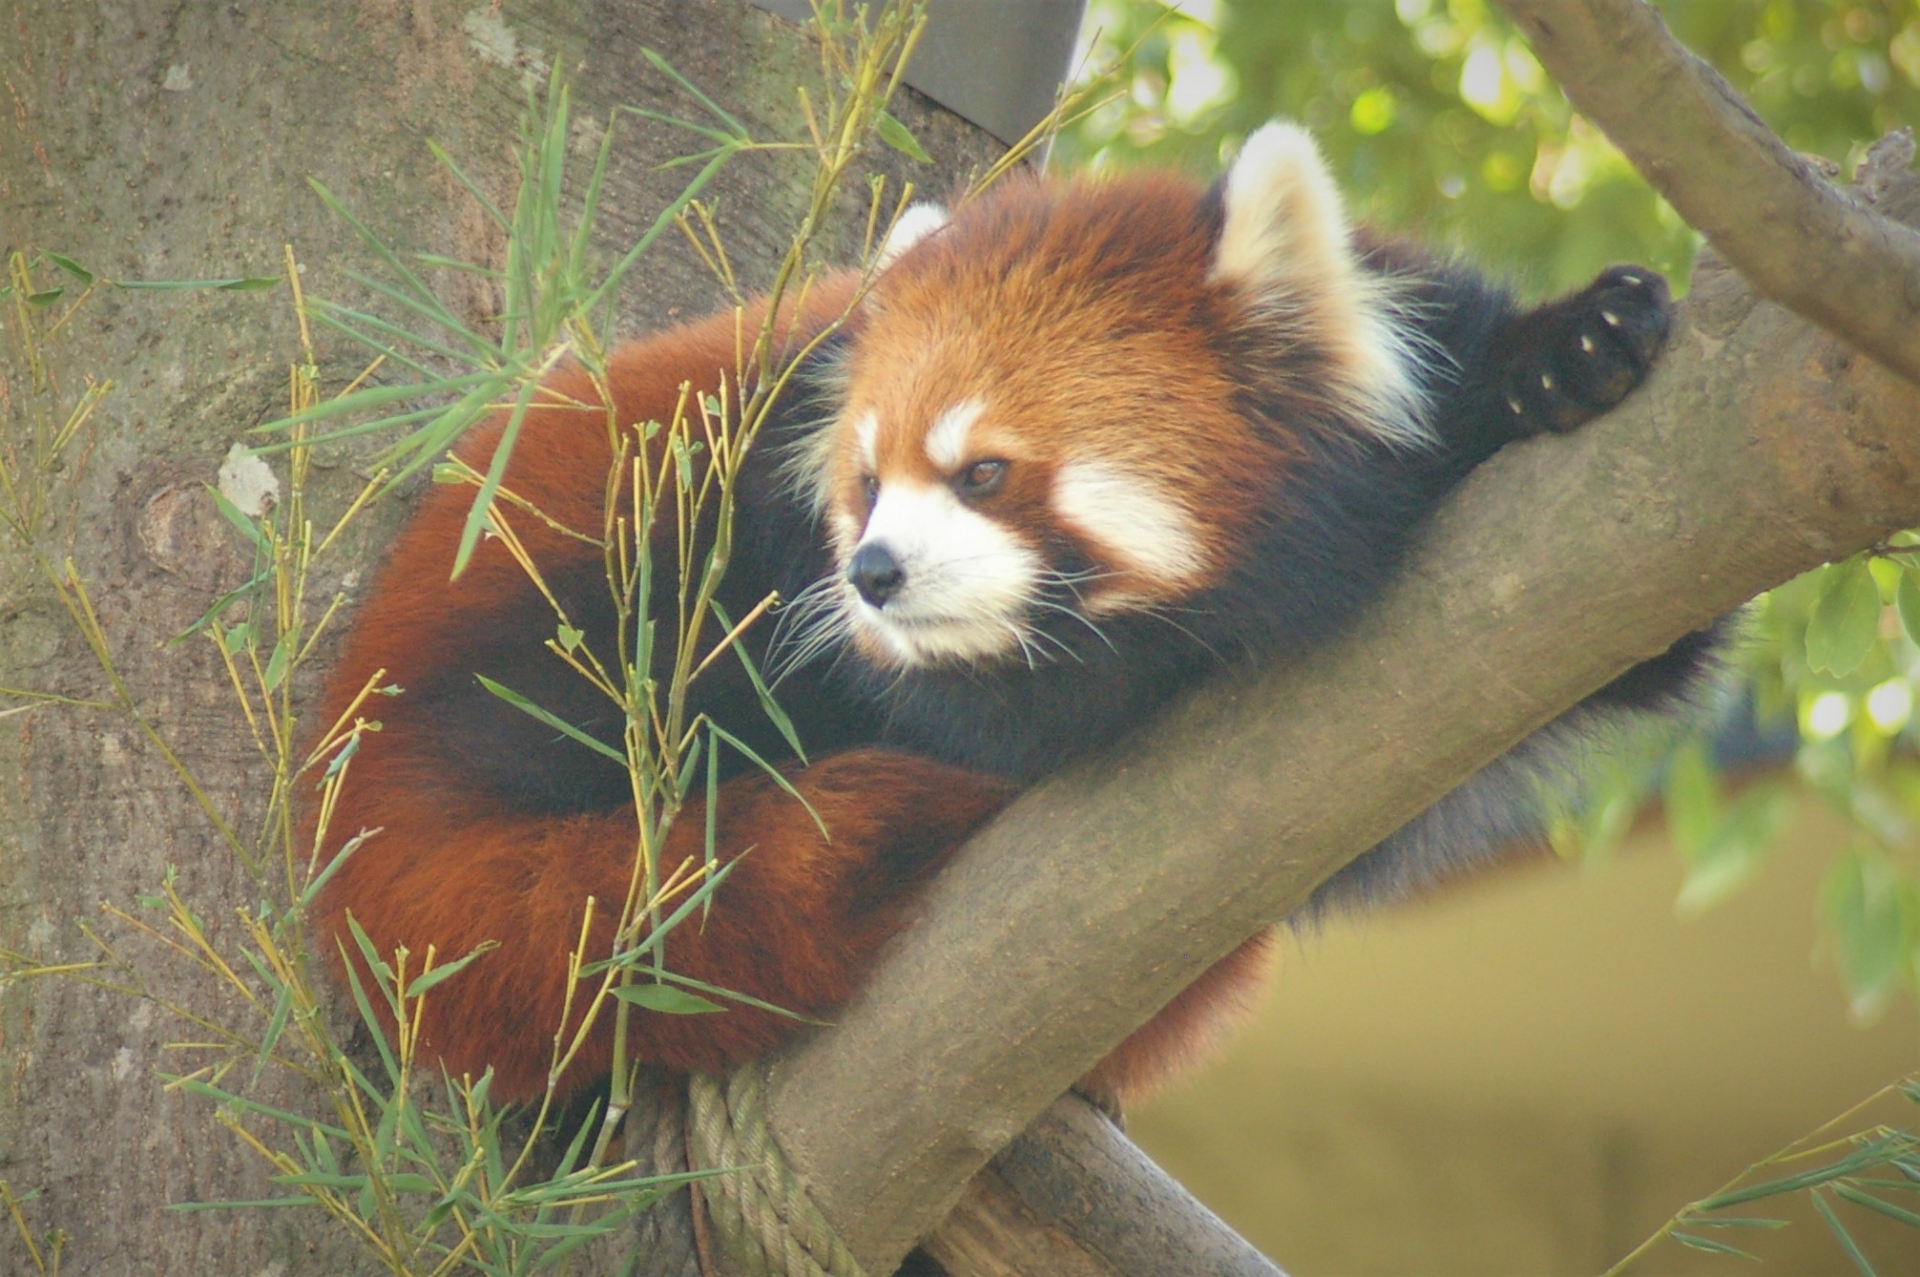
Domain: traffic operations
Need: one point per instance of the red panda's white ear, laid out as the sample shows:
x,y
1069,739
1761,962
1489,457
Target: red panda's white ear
x,y
1286,243
912,226
1285,222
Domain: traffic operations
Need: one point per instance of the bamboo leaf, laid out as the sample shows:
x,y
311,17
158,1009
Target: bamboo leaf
x,y
278,661
322,1179
1841,1235
1867,1155
276,1024
473,188
421,983
768,704
338,762
385,974
232,514
665,68
558,724
773,774
378,396
241,285
454,263
665,999
599,1227
349,321
72,268
481,352
1734,1221
241,1104
633,958
423,296
666,218
220,605
897,136
481,510
255,1204
732,995
1860,1197
1708,1244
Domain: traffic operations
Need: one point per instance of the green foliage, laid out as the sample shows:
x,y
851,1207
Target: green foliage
x,y
1439,121
1863,1169
1720,840
1833,662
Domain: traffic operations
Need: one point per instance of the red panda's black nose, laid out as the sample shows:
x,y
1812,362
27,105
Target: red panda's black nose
x,y
876,573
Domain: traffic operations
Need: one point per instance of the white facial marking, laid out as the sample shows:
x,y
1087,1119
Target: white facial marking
x,y
947,440
967,579
866,433
1286,241
1126,516
843,527
912,226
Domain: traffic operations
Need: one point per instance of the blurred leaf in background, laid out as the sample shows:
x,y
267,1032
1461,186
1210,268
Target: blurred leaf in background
x,y
1441,124
1440,121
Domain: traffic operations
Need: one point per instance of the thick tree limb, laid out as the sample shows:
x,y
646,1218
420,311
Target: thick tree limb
x,y
1072,1197
1813,247
1761,448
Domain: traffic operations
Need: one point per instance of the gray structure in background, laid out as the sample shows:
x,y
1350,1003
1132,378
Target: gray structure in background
x,y
996,63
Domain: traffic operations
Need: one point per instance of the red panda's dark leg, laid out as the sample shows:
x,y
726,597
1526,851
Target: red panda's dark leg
x,y
1562,364
796,923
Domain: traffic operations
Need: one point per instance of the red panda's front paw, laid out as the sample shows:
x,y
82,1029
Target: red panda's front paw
x,y
1628,312
1587,352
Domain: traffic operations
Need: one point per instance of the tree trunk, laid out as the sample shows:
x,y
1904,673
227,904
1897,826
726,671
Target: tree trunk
x,y
169,141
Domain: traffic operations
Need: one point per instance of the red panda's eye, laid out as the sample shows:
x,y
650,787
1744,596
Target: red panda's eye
x,y
870,487
982,478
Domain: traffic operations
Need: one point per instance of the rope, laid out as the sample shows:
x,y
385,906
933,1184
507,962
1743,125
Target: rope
x,y
760,1210
664,1243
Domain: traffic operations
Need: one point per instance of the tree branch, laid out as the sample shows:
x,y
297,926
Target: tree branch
x,y
1813,247
1072,1197
1759,449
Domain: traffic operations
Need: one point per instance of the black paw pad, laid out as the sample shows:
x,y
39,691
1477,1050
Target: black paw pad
x,y
1590,350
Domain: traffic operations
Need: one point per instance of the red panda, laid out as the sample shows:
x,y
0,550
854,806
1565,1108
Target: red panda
x,y
1084,444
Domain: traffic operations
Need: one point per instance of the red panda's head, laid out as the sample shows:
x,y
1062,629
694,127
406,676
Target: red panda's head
x,y
1045,406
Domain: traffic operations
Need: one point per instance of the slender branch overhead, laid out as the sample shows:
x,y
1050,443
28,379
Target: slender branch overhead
x,y
1813,247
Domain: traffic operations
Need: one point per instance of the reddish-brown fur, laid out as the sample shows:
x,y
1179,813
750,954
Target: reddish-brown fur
x,y
1160,403
801,918
798,920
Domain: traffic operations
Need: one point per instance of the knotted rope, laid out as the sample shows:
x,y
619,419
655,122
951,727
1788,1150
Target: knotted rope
x,y
763,1215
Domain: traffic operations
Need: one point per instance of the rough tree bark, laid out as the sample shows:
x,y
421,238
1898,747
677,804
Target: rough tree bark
x,y
164,140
